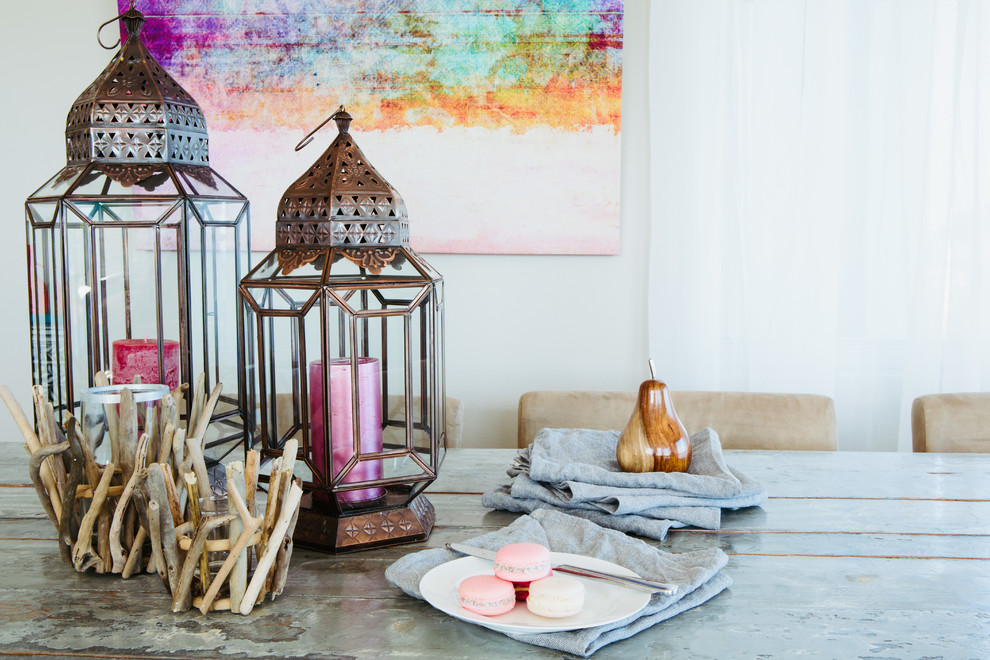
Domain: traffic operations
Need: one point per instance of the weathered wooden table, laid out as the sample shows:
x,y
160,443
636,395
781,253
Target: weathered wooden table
x,y
855,555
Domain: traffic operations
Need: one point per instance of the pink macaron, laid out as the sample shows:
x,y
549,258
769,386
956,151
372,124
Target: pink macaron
x,y
486,595
521,563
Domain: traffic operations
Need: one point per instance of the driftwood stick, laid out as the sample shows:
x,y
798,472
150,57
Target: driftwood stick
x,y
178,395
68,525
127,438
31,444
206,413
165,448
135,553
235,485
34,469
49,477
169,412
193,494
238,549
289,453
157,558
251,465
284,556
93,476
197,397
83,555
26,428
46,419
290,504
169,544
285,482
116,547
141,506
182,598
174,504
194,450
271,506
178,452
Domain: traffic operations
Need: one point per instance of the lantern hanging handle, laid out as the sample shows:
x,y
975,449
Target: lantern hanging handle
x,y
99,30
341,117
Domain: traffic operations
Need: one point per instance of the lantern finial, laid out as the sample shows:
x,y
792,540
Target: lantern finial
x,y
342,119
133,20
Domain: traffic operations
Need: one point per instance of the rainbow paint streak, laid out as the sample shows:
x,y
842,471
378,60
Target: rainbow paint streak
x,y
528,71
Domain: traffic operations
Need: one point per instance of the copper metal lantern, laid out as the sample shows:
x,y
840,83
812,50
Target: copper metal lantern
x,y
136,247
349,325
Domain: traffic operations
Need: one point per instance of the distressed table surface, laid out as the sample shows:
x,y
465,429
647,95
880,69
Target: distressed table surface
x,y
877,555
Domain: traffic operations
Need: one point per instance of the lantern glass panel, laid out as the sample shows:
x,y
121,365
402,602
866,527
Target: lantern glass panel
x,y
42,213
266,268
212,185
59,183
96,183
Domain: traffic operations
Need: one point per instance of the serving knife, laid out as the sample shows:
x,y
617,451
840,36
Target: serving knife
x,y
638,583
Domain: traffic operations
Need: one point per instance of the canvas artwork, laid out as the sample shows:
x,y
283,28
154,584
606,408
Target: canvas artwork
x,y
498,121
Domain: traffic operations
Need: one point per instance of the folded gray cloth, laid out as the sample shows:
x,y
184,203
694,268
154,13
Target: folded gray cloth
x,y
706,517
697,574
500,498
575,470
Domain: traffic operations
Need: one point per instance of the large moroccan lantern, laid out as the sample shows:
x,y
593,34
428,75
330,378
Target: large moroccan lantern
x,y
349,327
136,246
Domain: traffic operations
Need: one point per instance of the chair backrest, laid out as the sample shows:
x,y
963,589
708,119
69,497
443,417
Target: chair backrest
x,y
455,416
951,422
743,420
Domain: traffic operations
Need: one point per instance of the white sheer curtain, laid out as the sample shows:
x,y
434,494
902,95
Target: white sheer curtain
x,y
820,205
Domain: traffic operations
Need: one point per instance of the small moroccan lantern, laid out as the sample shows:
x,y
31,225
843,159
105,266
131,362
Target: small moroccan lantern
x,y
349,325
136,247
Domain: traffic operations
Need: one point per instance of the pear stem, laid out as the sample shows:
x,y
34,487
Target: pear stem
x,y
653,373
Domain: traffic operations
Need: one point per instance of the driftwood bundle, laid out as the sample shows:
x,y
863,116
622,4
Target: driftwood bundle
x,y
255,553
141,510
100,511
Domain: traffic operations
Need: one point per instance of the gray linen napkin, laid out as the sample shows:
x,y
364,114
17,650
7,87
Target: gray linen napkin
x,y
697,574
500,498
613,503
575,470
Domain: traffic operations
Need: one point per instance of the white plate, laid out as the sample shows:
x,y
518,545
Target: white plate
x,y
603,602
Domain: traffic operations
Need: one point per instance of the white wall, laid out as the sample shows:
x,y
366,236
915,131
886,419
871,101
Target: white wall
x,y
514,323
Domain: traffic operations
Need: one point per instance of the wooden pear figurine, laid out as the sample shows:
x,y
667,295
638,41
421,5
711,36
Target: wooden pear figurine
x,y
654,440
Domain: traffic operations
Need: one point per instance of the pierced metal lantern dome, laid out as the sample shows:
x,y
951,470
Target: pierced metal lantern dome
x,y
135,114
349,327
136,247
342,201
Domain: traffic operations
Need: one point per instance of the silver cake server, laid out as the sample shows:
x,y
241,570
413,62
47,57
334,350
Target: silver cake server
x,y
638,583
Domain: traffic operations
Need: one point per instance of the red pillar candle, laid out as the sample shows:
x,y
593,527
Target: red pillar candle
x,y
139,357
341,422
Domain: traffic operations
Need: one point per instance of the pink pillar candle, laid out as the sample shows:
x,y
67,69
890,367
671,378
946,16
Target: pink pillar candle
x,y
139,357
341,422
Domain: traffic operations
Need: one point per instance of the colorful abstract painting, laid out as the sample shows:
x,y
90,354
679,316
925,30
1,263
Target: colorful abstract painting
x,y
498,121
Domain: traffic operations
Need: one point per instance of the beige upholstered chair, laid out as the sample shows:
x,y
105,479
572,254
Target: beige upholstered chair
x,y
951,422
455,417
743,420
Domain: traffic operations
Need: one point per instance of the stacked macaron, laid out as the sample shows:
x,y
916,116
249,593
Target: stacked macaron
x,y
522,572
521,563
